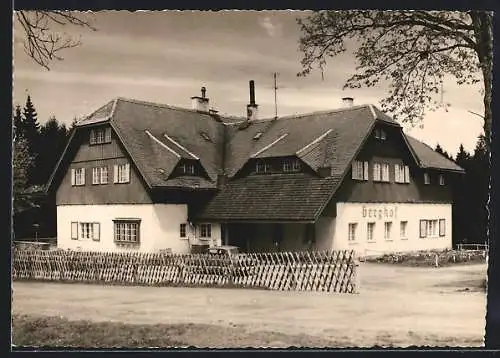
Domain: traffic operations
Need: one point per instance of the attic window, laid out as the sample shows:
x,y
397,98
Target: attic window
x,y
205,136
262,167
291,166
100,135
257,136
187,168
380,134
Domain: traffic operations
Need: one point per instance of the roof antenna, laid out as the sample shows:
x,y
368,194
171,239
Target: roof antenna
x,y
275,95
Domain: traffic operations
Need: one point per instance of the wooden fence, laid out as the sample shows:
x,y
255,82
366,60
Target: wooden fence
x,y
328,271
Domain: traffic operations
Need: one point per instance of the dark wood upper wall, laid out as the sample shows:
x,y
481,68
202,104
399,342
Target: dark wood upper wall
x,y
88,156
393,150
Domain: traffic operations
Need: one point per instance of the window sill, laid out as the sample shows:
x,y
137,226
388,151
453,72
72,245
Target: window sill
x,y
353,243
388,240
404,239
371,242
127,244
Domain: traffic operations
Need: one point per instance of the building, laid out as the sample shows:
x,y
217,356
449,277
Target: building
x,y
144,176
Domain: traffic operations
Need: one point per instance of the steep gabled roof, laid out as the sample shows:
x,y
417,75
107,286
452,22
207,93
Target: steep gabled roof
x,y
429,158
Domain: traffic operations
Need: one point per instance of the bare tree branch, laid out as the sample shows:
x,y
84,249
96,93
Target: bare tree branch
x,y
44,44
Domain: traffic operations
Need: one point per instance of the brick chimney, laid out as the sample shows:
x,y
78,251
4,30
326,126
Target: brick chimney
x,y
347,102
252,107
200,103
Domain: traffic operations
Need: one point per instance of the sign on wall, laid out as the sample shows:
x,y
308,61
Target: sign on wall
x,y
387,212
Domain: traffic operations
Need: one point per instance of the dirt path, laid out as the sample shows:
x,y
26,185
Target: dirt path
x,y
396,305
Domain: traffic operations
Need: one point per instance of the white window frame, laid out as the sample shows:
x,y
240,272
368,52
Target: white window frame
x,y
403,229
432,228
387,230
85,231
441,179
423,228
385,169
104,175
359,170
401,173
262,167
370,232
96,175
100,136
427,179
127,231
122,173
78,176
351,232
377,172
205,231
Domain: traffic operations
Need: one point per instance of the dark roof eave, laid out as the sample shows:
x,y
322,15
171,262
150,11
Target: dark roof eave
x,y
457,171
258,221
186,188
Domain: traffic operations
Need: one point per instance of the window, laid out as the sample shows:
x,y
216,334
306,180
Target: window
x,y
85,231
401,173
429,228
127,231
385,172
122,173
360,170
380,134
187,168
427,179
441,179
370,228
376,172
262,167
423,229
182,230
100,175
352,232
205,231
78,176
291,166
387,230
402,229
100,135
442,227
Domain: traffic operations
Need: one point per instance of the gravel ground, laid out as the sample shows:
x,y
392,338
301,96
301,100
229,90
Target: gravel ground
x,y
396,306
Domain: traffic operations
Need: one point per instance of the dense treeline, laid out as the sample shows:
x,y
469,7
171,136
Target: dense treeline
x,y
470,214
36,151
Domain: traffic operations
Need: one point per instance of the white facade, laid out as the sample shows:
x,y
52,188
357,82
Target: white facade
x,y
391,237
159,227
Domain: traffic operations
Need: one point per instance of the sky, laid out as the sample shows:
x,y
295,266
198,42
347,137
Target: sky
x,y
167,56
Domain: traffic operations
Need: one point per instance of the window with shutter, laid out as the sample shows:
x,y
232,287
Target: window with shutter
x,y
74,230
107,136
423,229
442,227
397,174
96,231
365,170
104,175
376,172
73,177
385,172
96,175
407,174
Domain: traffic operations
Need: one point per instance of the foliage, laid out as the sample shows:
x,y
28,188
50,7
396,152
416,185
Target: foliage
x,y
443,152
42,43
17,121
470,215
21,164
411,50
53,137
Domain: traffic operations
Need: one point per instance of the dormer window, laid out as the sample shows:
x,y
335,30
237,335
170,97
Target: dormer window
x,y
441,179
187,168
291,166
380,134
262,167
100,135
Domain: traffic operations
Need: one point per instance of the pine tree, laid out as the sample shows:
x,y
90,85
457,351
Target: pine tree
x,y
53,137
18,122
31,132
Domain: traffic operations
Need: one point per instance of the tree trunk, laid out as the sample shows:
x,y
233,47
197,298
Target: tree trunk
x,y
482,22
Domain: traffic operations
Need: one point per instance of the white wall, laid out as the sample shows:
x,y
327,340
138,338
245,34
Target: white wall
x,y
159,228
381,212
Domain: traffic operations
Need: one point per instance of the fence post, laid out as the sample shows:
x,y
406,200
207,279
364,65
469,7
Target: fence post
x,y
357,281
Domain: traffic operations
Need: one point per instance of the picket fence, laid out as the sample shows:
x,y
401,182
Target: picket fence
x,y
327,271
